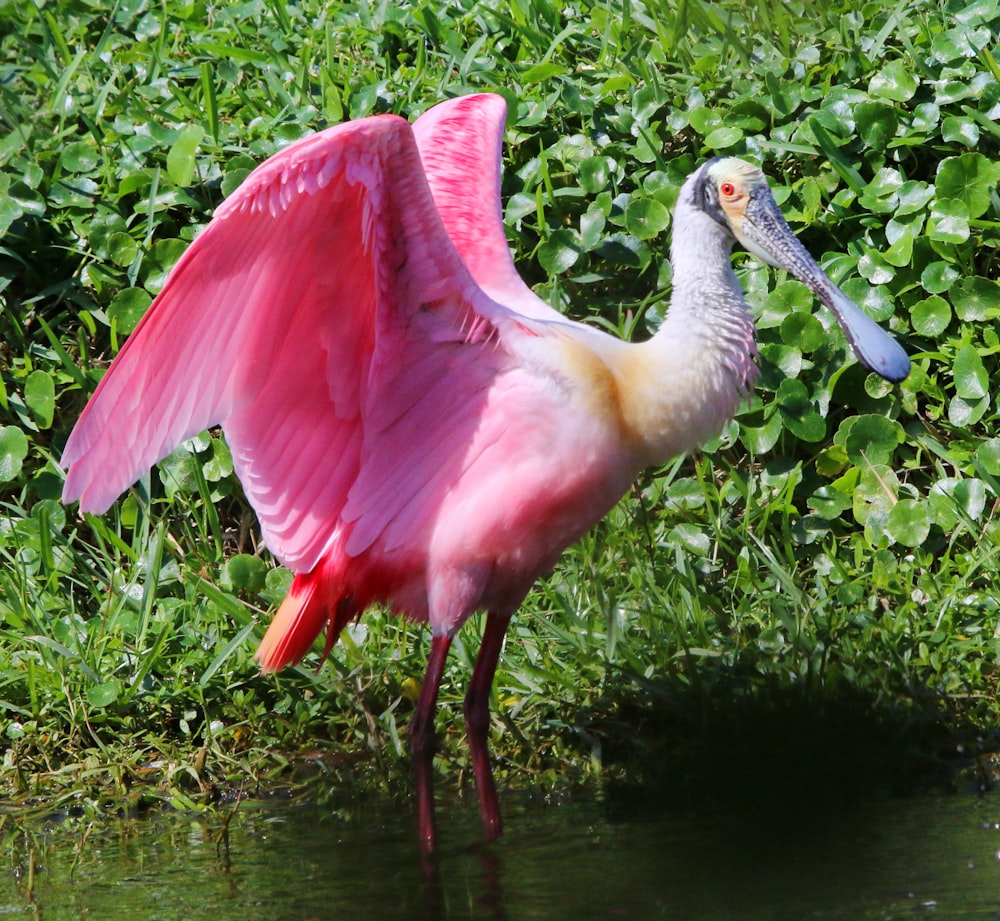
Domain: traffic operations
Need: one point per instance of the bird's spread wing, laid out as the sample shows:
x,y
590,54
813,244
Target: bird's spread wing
x,y
461,143
323,300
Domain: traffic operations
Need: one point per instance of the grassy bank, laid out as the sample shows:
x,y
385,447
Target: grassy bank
x,y
834,551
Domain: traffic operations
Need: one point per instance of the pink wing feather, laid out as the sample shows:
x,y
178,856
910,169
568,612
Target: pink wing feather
x,y
461,145
323,300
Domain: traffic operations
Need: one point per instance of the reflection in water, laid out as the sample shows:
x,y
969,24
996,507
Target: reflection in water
x,y
487,895
586,856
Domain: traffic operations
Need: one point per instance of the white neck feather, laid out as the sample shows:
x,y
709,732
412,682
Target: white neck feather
x,y
683,385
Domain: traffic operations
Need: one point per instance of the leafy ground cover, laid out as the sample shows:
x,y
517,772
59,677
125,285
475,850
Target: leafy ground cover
x,y
826,566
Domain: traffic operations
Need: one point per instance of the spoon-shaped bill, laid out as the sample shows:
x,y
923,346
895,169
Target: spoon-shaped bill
x,y
872,344
765,233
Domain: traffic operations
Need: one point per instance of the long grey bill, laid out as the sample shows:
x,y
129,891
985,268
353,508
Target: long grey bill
x,y
767,235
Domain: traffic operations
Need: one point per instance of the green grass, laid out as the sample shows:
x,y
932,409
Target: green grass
x,y
833,551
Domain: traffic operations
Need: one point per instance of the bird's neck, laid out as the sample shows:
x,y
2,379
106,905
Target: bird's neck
x,y
682,386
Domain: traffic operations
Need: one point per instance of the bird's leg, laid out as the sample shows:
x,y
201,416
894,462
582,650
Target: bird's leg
x,y
477,720
423,742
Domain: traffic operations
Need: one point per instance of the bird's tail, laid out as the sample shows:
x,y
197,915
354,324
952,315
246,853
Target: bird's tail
x,y
308,607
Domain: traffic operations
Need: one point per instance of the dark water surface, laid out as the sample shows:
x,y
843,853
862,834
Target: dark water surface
x,y
587,856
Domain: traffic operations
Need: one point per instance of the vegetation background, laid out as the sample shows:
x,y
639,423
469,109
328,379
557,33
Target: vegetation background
x,y
821,579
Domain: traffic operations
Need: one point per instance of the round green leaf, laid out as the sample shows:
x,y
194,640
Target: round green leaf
x,y
127,308
79,157
135,183
836,118
970,497
181,156
661,186
80,192
13,451
908,523
684,493
245,573
595,174
963,412
876,122
901,235
592,224
975,298
988,456
761,438
237,169
199,443
941,500
971,378
520,205
877,387
122,248
179,471
881,195
809,528
101,227
870,439
786,358
28,199
803,330
40,397
913,196
276,584
953,500
691,538
831,461
894,82
220,464
788,297
875,269
723,137
875,492
771,641
938,277
953,45
931,316
960,130
160,259
103,695
949,221
828,502
10,210
798,414
559,252
233,179
969,179
51,513
875,528
926,117
646,217
540,73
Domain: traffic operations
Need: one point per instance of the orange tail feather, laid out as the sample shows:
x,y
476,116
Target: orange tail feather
x,y
301,618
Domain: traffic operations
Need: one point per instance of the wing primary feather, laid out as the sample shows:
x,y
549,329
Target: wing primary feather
x,y
328,273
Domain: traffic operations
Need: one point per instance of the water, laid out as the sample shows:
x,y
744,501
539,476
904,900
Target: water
x,y
585,857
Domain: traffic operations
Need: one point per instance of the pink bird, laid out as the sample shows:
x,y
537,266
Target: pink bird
x,y
412,425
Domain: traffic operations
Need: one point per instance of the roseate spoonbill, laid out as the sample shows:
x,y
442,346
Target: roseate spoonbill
x,y
413,425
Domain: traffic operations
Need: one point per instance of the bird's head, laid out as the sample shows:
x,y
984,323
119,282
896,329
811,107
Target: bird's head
x,y
735,194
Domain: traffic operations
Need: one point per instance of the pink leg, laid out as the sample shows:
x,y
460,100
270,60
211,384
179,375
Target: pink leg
x,y
477,720
423,742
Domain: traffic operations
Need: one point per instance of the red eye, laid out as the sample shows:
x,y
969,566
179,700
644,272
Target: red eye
x,y
727,189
